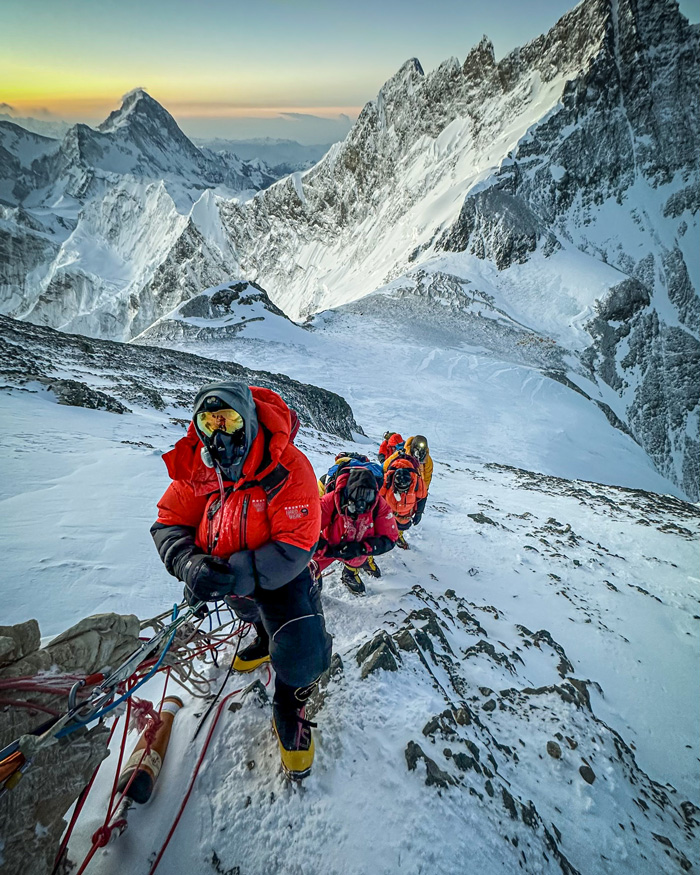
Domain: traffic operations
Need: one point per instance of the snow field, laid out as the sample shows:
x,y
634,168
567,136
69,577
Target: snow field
x,y
78,503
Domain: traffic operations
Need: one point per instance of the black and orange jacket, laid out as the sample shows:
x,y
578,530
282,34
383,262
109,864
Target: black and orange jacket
x,y
426,468
266,524
404,504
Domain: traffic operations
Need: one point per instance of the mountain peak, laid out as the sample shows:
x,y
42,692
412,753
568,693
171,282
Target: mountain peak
x,y
137,106
481,60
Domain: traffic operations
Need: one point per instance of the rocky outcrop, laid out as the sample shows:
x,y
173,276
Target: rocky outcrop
x,y
490,744
627,121
142,376
219,314
608,165
33,811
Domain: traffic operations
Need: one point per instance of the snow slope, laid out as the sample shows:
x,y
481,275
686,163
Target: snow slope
x,y
535,612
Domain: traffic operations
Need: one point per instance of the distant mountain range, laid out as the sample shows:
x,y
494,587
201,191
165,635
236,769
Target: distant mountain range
x,y
283,156
555,190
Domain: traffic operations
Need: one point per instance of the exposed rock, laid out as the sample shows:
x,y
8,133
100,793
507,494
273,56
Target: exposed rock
x,y
509,803
554,750
382,658
76,394
381,639
435,776
564,667
481,518
405,641
91,645
58,773
587,774
18,641
150,376
498,657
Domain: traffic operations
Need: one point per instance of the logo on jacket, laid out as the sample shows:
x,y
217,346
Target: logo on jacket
x,y
297,511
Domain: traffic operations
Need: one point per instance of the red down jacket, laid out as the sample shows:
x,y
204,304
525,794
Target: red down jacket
x,y
376,529
250,518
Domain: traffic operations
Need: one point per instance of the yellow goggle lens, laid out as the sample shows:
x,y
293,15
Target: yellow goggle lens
x,y
227,420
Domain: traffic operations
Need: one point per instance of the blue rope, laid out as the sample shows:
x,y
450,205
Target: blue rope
x,y
75,726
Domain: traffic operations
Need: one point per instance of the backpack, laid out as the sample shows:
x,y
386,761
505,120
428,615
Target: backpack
x,y
352,460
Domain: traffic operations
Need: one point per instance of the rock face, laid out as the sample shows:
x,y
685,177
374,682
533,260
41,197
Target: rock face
x,y
143,376
585,141
33,812
628,123
475,746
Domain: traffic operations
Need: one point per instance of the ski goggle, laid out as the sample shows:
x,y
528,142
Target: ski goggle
x,y
361,499
227,420
402,480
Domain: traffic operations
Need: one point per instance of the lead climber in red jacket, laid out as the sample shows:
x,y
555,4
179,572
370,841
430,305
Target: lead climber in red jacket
x,y
392,443
240,521
356,523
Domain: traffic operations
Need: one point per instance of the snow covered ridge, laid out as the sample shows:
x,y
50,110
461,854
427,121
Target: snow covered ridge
x,y
569,169
222,313
564,177
112,376
461,300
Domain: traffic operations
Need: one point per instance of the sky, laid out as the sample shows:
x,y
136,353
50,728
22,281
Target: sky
x,y
231,68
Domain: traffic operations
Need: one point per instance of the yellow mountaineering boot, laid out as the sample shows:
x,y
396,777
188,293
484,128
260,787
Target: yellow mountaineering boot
x,y
253,655
402,542
296,743
351,578
371,567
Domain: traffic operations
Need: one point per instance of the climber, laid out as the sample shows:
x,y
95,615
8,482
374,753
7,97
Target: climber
x,y
240,521
417,446
356,524
392,443
404,492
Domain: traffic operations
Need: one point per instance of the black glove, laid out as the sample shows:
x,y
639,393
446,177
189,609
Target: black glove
x,y
193,600
207,578
322,544
417,518
351,550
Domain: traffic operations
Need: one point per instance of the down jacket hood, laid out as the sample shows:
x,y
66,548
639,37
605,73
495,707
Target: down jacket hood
x,y
360,476
268,442
239,397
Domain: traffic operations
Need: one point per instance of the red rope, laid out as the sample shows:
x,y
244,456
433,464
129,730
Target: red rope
x,y
79,806
196,772
31,706
102,836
